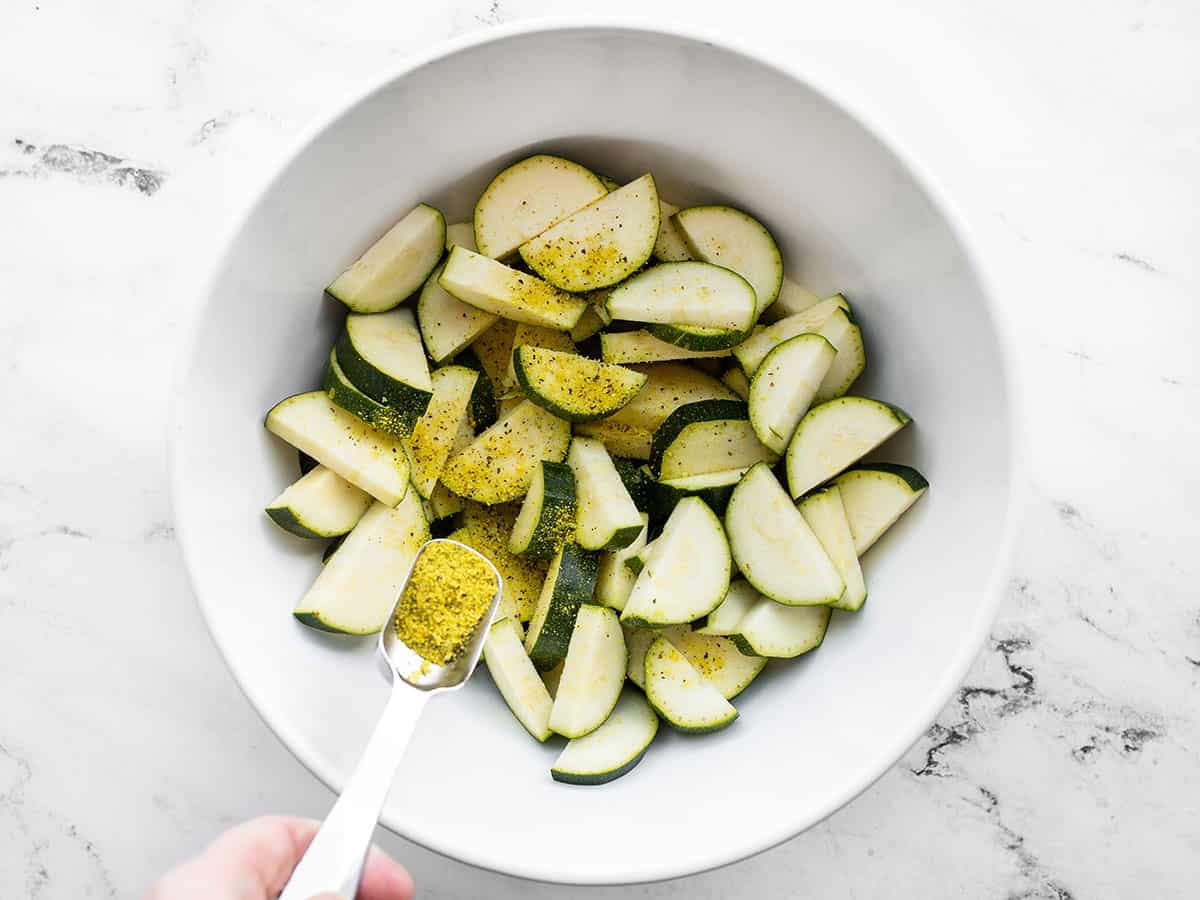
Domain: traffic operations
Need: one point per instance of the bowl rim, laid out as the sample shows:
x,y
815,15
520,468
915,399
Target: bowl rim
x,y
890,751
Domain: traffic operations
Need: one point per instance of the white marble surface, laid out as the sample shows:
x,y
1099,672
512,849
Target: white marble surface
x,y
1069,133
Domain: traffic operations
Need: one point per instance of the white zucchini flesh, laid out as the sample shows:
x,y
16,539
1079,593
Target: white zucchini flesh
x,y
357,588
572,386
724,620
614,582
773,546
447,324
382,355
670,245
875,496
793,298
535,336
784,386
592,675
715,446
826,516
320,504
436,431
642,347
601,244
680,694
364,456
606,516
668,386
851,359
751,352
736,381
614,748
729,237
517,680
637,642
773,630
687,572
394,266
527,198
496,288
717,658
620,439
686,293
836,434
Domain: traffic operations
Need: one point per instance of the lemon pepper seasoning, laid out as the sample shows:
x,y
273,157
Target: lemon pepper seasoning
x,y
449,591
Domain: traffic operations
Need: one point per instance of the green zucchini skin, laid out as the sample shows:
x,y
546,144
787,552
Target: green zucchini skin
x,y
283,517
664,497
307,463
570,584
347,395
907,474
484,408
636,481
408,402
697,338
603,778
556,519
689,413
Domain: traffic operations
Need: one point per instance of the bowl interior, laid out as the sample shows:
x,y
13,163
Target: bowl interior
x,y
712,125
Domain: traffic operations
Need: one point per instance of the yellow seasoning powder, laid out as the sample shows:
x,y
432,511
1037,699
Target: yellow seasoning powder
x,y
449,591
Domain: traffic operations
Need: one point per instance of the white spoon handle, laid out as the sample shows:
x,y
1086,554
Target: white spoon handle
x,y
334,860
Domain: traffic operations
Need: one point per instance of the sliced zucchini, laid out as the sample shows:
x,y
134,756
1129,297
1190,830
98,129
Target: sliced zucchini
x,y
342,392
533,336
395,265
836,434
593,673
874,496
636,479
499,465
704,437
516,678
573,387
714,488
357,588
493,349
715,410
773,546
668,386
610,184
382,355
551,678
687,572
686,294
606,516
635,562
508,404
729,237
589,324
321,504
717,658
792,299
751,352
435,433
680,694
826,516
670,245
725,619
614,580
444,503
367,458
637,642
495,288
846,337
614,748
784,386
771,629
486,529
603,243
447,324
735,379
620,439
569,583
331,548
307,463
642,347
527,198
547,516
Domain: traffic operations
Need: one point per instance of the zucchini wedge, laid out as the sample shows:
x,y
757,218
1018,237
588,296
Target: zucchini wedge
x,y
435,433
367,458
714,488
592,674
783,632
321,504
342,392
447,324
495,288
499,464
704,437
573,387
394,266
383,357
620,439
635,562
487,529
643,347
668,386
686,414
493,350
527,198
547,516
724,620
516,678
357,588
793,298
603,243
637,642
784,385
606,516
836,434
773,546
569,584
444,503
729,237
846,337
686,294
735,379
636,478
534,336
613,749
680,694
826,516
753,350
874,496
687,572
614,580
670,245
717,658
306,462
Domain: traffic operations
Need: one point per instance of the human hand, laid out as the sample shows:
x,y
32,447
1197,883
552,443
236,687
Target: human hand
x,y
254,861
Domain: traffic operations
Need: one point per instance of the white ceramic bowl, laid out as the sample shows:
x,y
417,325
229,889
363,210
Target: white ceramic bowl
x,y
713,124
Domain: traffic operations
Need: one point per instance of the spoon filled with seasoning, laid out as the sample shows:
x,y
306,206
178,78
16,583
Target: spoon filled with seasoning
x,y
431,643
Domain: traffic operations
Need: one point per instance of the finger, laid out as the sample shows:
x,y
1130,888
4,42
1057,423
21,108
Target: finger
x,y
384,878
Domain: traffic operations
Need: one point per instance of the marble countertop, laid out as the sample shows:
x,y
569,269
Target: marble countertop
x,y
1066,767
